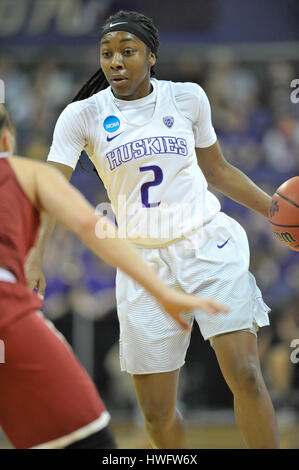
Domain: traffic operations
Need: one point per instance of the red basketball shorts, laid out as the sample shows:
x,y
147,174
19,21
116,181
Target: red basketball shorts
x,y
47,400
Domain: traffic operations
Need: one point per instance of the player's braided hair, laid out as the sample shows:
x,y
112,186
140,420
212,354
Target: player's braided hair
x,y
98,81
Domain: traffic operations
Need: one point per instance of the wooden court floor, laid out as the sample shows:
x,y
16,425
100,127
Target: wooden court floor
x,y
202,437
224,436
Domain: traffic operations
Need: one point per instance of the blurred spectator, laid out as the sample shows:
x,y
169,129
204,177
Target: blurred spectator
x,y
19,95
281,374
279,77
230,85
53,86
281,144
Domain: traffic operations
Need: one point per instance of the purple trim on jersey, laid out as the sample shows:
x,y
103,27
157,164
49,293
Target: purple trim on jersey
x,y
158,174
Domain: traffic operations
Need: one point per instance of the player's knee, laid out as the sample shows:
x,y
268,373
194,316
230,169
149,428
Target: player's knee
x,y
158,417
248,379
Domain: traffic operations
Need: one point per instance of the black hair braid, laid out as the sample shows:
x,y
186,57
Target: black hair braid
x,y
96,83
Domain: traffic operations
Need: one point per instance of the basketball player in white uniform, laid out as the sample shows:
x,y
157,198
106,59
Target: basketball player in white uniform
x,y
154,147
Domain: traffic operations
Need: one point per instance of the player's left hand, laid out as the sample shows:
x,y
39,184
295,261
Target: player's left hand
x,y
176,303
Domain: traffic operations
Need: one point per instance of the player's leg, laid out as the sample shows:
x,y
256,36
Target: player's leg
x,y
152,350
47,399
156,394
237,355
103,439
219,268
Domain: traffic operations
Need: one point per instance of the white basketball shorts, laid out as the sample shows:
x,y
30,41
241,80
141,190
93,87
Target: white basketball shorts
x,y
211,262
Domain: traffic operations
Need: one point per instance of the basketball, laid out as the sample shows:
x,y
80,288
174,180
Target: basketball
x,y
284,213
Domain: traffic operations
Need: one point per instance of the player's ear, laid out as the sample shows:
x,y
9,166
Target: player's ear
x,y
151,59
6,141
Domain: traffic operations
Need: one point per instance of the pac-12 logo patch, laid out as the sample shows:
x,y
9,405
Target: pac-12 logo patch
x,y
168,121
111,124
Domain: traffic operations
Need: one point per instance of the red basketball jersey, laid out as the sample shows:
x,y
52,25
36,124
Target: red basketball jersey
x,y
46,397
19,223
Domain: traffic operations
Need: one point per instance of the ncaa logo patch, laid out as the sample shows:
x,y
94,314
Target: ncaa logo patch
x,y
111,123
168,121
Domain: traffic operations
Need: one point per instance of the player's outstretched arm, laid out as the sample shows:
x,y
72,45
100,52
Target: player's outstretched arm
x,y
52,193
231,181
33,266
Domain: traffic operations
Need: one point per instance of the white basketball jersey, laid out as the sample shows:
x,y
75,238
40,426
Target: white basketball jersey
x,y
150,171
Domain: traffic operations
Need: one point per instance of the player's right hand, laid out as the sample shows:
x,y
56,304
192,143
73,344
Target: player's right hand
x,y
176,303
35,277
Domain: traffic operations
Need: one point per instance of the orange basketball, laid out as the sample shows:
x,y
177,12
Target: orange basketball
x,y
284,213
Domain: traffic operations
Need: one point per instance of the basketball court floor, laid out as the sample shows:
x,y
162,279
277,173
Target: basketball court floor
x,y
217,431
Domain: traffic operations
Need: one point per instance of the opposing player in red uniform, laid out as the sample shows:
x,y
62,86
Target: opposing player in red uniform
x,y
47,399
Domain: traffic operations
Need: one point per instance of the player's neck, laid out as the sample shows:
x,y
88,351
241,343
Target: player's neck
x,y
142,91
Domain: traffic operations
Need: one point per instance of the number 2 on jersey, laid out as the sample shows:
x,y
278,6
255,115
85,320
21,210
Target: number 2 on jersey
x,y
158,174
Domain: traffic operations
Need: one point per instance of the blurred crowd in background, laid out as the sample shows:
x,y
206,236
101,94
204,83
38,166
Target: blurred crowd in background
x,y
257,125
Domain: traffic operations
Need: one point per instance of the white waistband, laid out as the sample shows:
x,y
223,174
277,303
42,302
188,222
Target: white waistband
x,y
82,433
7,276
